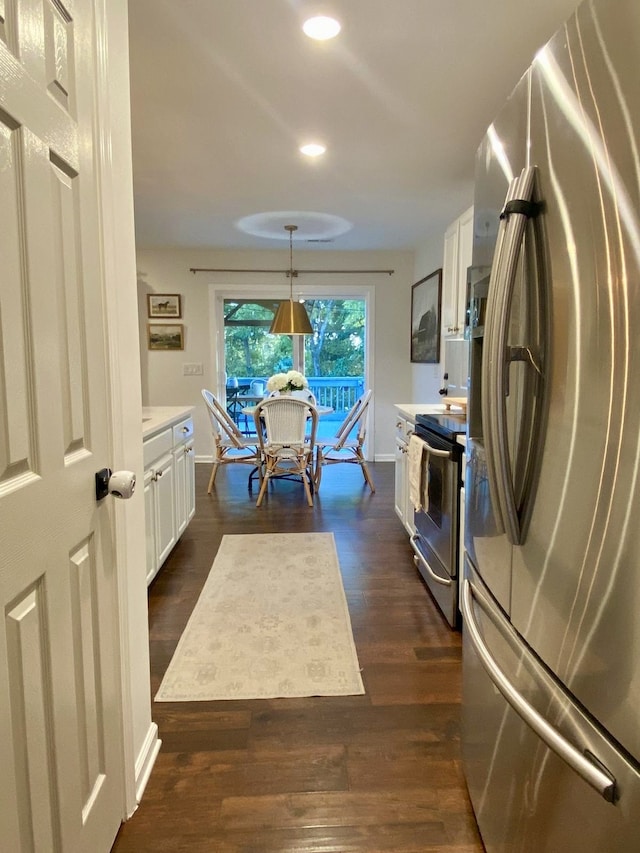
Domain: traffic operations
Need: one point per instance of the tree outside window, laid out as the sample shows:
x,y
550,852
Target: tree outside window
x,y
336,348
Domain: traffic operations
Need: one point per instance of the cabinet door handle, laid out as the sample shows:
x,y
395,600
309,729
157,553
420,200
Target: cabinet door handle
x,y
185,429
159,474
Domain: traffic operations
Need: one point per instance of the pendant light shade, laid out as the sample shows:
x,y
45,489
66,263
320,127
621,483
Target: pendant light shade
x,y
291,317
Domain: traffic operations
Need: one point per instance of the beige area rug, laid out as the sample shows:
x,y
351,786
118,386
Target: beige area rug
x,y
271,621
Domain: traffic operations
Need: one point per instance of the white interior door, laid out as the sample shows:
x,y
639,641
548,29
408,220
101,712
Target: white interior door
x,y
60,741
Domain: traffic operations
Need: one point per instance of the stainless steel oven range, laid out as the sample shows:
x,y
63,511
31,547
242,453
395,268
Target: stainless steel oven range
x,y
436,540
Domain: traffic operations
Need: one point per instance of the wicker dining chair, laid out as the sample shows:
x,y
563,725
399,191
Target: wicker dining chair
x,y
230,445
286,428
342,448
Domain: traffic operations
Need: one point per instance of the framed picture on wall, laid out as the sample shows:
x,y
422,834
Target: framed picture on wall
x,y
167,336
163,305
426,299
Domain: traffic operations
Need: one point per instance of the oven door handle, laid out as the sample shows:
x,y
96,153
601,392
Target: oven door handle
x,y
445,454
419,556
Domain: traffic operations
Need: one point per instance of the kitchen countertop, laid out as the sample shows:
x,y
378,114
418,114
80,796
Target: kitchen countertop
x,y
156,418
410,410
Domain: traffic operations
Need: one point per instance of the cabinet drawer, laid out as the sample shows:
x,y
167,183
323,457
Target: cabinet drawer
x,y
183,431
404,429
154,447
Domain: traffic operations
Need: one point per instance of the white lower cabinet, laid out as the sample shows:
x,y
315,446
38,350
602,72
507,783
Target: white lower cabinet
x,y
184,467
403,506
150,523
169,490
401,476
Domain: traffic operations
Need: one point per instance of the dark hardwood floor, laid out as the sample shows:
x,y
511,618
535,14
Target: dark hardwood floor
x,y
379,772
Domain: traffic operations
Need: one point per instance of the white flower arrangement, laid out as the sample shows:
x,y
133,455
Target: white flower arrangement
x,y
293,380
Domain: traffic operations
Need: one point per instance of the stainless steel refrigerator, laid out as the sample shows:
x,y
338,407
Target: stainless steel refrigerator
x,y
551,596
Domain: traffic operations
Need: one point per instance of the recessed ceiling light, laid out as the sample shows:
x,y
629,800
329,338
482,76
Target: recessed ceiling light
x,y
314,149
321,28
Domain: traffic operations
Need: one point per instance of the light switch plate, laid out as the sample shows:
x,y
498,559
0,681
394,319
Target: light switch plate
x,y
194,369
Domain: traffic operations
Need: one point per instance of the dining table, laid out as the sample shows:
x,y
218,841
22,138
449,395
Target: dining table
x,y
241,404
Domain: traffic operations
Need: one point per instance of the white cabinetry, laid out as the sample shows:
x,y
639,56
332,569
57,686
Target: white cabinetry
x,y
169,489
458,246
184,467
403,507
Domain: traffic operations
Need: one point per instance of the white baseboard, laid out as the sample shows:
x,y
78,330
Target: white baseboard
x,y
146,759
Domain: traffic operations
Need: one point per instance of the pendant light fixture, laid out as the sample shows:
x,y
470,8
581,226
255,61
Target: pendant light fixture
x,y
291,317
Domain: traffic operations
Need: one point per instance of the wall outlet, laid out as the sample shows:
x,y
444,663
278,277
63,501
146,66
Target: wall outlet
x,y
192,369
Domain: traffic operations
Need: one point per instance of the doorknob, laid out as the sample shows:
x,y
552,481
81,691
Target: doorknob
x,y
122,484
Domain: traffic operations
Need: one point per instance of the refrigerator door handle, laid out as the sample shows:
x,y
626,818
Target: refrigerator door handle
x,y
517,209
582,763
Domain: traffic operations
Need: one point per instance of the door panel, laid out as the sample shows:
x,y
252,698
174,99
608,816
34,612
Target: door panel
x,y
31,708
60,741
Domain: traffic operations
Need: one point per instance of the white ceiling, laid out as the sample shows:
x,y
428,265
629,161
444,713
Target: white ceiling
x,y
224,91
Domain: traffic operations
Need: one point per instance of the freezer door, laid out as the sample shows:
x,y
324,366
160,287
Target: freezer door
x,y
526,795
576,578
500,158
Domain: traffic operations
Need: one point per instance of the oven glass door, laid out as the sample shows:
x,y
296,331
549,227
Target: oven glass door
x,y
437,523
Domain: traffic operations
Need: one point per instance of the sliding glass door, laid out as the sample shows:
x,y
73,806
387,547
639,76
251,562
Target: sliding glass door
x,y
334,359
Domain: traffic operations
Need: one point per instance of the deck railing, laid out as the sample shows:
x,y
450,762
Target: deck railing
x,y
339,392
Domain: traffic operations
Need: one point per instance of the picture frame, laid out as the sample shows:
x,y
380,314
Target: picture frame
x,y
165,336
164,305
426,307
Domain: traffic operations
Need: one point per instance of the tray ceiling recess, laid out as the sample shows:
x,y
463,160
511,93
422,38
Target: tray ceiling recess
x,y
311,226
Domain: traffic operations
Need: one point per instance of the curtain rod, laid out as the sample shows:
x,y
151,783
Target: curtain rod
x,y
194,270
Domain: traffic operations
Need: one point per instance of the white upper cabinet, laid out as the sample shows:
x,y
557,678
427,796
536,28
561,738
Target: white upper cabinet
x,y
458,245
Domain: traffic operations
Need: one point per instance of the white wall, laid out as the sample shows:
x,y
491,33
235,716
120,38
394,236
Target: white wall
x,y
167,271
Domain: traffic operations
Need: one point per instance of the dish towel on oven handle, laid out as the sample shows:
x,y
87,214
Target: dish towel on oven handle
x,y
418,463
